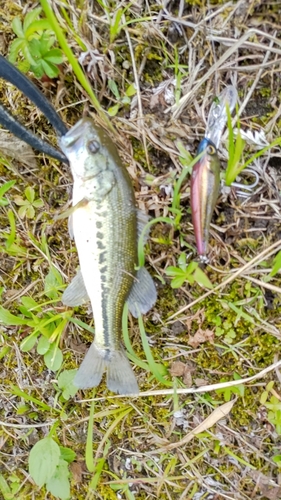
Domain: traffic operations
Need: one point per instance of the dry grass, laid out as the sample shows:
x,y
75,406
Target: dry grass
x,y
179,55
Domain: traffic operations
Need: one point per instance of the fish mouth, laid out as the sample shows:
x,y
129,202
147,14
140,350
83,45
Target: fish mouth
x,y
77,132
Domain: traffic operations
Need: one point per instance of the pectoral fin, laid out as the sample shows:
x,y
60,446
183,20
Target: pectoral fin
x,y
143,293
69,212
76,293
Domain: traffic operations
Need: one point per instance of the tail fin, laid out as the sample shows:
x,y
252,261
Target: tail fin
x,y
120,376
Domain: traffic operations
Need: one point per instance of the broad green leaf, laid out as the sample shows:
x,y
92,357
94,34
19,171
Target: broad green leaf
x,y
174,271
53,358
37,69
43,345
178,282
4,351
4,488
28,343
5,187
10,319
182,261
113,110
20,201
30,303
65,383
114,89
131,90
54,56
29,211
67,454
126,100
191,267
37,26
30,17
276,264
38,203
201,278
24,66
17,27
53,282
35,49
27,54
58,484
49,69
15,48
29,193
43,460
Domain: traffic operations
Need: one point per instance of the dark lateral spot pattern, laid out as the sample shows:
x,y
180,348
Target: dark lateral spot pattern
x,y
102,258
105,323
100,245
98,224
100,235
107,355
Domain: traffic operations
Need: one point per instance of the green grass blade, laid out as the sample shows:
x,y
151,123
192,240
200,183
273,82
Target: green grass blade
x,y
89,444
130,351
15,390
82,78
141,254
98,468
154,367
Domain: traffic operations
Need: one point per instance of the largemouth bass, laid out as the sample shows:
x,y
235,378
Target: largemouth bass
x,y
204,191
105,225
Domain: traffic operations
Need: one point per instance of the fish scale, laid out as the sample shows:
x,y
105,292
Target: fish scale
x,y
106,256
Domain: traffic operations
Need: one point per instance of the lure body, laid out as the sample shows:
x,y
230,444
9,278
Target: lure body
x,y
204,191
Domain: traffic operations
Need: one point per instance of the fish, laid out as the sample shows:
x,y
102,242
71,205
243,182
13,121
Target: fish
x,y
105,225
204,192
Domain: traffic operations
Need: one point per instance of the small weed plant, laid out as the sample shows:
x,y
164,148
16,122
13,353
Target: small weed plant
x,y
33,49
191,273
272,402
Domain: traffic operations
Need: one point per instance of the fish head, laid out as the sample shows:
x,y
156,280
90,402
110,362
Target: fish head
x,y
209,159
206,171
85,146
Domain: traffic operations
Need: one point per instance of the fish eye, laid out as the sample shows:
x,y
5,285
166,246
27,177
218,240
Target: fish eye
x,y
211,149
93,146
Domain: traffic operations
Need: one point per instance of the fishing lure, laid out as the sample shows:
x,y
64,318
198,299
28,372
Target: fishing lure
x,y
205,177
